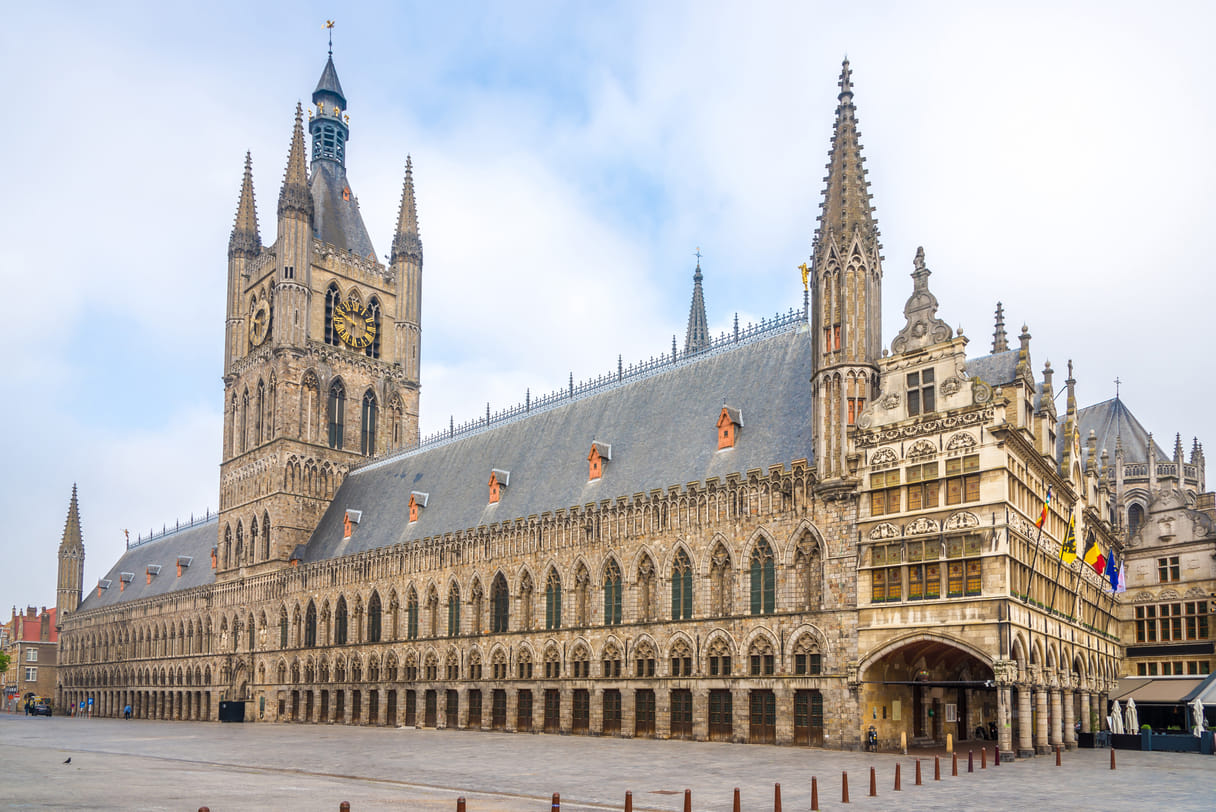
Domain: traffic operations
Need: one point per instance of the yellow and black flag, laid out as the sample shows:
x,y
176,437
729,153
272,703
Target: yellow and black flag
x,y
1068,549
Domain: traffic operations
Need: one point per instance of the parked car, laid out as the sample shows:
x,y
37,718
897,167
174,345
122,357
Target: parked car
x,y
42,708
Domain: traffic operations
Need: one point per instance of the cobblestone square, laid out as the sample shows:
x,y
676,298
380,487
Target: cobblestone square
x,y
118,764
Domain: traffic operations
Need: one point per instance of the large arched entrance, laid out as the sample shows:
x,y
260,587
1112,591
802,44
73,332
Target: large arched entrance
x,y
928,686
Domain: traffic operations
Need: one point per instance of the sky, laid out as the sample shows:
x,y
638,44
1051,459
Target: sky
x,y
569,159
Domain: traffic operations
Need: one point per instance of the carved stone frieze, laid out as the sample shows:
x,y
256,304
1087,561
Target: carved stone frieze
x,y
962,520
921,526
869,439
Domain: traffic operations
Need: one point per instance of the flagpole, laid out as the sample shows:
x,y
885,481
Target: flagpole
x,y
1034,559
1060,560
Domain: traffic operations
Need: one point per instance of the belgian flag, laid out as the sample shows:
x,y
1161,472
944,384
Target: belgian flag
x,y
1094,556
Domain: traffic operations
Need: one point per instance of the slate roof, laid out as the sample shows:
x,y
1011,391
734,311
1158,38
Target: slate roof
x,y
662,430
1110,419
998,369
195,542
337,221
328,83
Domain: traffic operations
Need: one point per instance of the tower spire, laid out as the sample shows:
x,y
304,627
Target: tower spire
x,y
1000,343
245,237
697,337
71,563
295,197
407,242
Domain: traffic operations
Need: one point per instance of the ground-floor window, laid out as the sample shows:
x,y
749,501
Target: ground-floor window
x,y
523,711
721,715
475,708
581,711
411,708
808,718
612,712
452,709
553,710
643,714
762,717
432,709
681,713
498,710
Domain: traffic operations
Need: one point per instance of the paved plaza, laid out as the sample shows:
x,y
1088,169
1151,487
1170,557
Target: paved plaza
x,y
118,764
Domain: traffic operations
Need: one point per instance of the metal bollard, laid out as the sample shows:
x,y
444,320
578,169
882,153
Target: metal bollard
x,y
970,761
776,798
1057,755
814,794
735,808
996,762
873,784
204,809
937,769
687,800
954,763
897,787
918,781
844,786
628,801
983,758
557,802
460,805
1112,758
344,806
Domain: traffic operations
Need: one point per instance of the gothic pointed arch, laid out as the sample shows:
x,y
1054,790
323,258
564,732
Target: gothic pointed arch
x,y
340,621
613,615
763,578
336,413
374,618
500,604
369,416
332,298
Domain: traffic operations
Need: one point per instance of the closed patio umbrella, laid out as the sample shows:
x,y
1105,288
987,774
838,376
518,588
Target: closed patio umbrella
x,y
1116,717
1197,715
1132,717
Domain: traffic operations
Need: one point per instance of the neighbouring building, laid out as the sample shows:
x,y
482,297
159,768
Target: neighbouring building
x,y
791,533
31,642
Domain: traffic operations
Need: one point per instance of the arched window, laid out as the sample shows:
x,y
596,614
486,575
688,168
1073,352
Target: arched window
x,y
372,350
259,413
761,661
310,625
432,605
340,621
244,443
553,600
612,594
265,536
681,587
411,615
763,586
1135,518
240,543
373,618
454,611
500,604
367,435
253,539
283,627
582,587
337,410
396,411
332,298
250,628
808,566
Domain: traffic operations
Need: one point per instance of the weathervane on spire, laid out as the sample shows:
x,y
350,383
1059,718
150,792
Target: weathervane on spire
x,y
805,273
698,253
329,26
1117,382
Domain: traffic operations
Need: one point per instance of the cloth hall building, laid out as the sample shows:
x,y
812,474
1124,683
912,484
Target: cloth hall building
x,y
788,534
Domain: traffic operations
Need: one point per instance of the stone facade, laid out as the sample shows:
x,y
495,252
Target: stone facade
x,y
877,564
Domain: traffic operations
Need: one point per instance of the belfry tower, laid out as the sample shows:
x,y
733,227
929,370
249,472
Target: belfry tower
x,y
846,307
322,345
71,564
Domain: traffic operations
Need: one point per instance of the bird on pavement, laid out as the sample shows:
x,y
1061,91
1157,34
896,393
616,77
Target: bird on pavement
x,y
68,761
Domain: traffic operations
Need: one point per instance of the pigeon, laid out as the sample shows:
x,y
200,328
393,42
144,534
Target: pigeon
x,y
69,760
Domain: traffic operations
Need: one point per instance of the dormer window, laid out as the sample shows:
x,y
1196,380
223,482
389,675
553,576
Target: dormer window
x,y
600,454
418,501
125,578
102,585
729,422
152,571
498,481
183,562
349,521
214,558
921,398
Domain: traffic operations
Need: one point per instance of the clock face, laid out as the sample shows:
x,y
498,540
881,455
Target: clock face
x,y
354,324
259,322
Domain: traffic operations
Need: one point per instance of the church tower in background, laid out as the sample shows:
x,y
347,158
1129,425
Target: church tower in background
x,y
846,308
322,345
71,564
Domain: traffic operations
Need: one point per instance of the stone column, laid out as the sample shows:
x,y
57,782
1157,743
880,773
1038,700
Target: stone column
x,y
441,708
1055,729
1085,711
1070,720
1040,722
1004,731
512,710
700,714
567,709
662,712
462,713
785,714
740,715
595,724
347,706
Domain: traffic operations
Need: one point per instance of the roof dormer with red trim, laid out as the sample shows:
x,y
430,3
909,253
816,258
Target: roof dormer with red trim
x,y
730,421
352,518
600,455
499,480
418,501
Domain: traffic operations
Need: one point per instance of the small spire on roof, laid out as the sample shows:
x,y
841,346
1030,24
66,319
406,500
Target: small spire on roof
x,y
697,336
406,242
295,195
245,237
999,341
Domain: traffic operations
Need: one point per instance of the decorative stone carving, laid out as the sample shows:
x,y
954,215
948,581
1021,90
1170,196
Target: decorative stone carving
x,y
921,526
884,456
961,441
866,418
961,520
923,327
922,449
1170,595
951,385
886,530
980,392
1143,597
869,439
890,401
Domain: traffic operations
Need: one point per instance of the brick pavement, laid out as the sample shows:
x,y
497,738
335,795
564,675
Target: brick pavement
x,y
179,765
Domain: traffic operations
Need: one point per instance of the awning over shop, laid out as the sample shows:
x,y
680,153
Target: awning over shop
x,y
1205,692
1156,690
